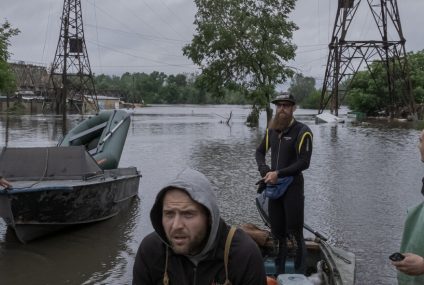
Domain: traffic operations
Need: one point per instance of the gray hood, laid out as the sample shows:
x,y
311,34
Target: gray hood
x,y
200,190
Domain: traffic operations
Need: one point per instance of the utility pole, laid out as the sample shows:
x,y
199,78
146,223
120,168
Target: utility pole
x,y
70,74
347,56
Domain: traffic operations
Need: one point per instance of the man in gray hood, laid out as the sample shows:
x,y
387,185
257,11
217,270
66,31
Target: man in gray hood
x,y
187,246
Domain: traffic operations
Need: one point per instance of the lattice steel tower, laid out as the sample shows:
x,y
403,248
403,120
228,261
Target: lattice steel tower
x,y
346,56
70,73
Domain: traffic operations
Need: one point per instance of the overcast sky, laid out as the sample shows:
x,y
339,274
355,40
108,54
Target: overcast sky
x,y
147,35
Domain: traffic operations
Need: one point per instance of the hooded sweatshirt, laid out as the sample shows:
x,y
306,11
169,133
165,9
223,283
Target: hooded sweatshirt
x,y
200,190
207,267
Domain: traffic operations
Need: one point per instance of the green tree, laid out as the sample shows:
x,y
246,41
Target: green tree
x,y
302,87
103,82
312,101
179,80
364,102
127,86
369,90
416,63
244,45
151,85
7,81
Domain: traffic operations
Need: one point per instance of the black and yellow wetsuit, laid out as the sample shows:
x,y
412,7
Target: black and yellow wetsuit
x,y
291,151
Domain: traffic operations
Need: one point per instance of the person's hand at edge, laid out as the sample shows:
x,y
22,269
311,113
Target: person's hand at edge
x,y
4,183
412,264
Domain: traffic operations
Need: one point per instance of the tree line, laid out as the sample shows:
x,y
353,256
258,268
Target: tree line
x,y
367,93
160,88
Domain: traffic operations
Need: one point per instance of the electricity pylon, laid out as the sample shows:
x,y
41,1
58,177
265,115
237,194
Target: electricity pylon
x,y
70,74
347,56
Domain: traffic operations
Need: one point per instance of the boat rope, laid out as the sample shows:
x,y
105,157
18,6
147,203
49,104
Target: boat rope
x,y
165,274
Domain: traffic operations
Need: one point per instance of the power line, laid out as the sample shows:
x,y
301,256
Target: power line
x,y
137,56
110,16
146,36
46,35
97,34
176,15
159,17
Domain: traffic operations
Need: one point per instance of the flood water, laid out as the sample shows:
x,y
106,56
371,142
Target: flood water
x,y
360,184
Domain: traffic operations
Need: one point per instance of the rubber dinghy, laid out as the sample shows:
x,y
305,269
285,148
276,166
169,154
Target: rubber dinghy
x,y
103,135
60,187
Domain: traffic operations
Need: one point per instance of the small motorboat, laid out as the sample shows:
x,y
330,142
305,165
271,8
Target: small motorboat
x,y
103,135
325,263
59,187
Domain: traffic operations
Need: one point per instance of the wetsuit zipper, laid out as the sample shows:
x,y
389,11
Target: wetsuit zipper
x,y
278,155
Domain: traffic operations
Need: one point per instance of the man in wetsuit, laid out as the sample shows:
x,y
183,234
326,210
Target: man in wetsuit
x,y
291,149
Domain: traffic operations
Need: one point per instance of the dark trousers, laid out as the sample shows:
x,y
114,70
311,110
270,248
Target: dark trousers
x,y
286,216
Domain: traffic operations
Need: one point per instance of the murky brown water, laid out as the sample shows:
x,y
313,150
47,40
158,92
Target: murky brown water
x,y
361,181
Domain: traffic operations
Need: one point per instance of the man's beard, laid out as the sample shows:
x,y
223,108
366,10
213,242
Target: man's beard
x,y
191,247
280,122
194,243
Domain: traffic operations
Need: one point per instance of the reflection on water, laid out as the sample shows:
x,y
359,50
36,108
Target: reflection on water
x,y
360,183
95,254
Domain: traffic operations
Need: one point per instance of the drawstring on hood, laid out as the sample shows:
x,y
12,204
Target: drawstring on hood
x,y
200,190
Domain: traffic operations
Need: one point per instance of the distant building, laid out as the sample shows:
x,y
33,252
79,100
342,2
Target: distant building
x,y
107,102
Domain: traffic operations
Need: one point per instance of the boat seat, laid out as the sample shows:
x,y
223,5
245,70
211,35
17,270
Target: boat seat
x,y
89,131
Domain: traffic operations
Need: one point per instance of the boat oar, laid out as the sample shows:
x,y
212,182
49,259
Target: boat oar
x,y
112,131
315,232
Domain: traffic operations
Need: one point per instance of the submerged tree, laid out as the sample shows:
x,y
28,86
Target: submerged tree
x,y
244,45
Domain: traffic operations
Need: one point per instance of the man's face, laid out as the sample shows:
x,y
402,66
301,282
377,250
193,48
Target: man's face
x,y
185,222
285,109
283,115
421,145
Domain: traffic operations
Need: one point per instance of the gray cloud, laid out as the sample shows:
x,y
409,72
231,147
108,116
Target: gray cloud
x,y
148,35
